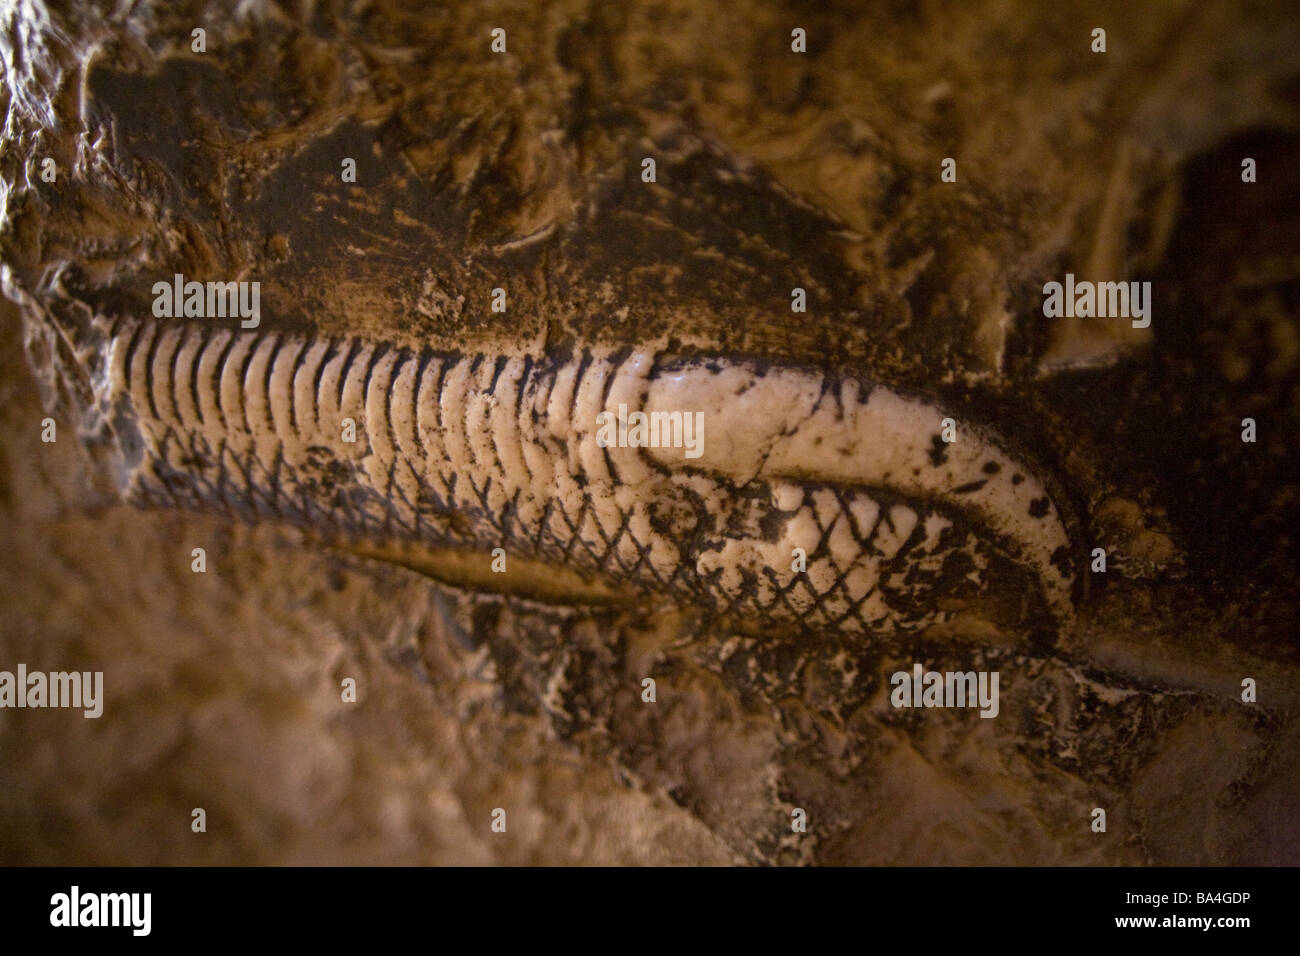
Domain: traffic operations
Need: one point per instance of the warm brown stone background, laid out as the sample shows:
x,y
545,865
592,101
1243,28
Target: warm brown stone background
x,y
774,170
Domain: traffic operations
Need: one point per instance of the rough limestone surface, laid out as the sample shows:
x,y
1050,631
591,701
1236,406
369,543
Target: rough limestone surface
x,y
774,170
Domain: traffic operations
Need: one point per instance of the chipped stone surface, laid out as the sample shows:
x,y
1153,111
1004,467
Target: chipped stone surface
x,y
522,171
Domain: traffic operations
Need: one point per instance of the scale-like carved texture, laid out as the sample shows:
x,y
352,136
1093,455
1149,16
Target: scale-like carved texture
x,y
480,451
